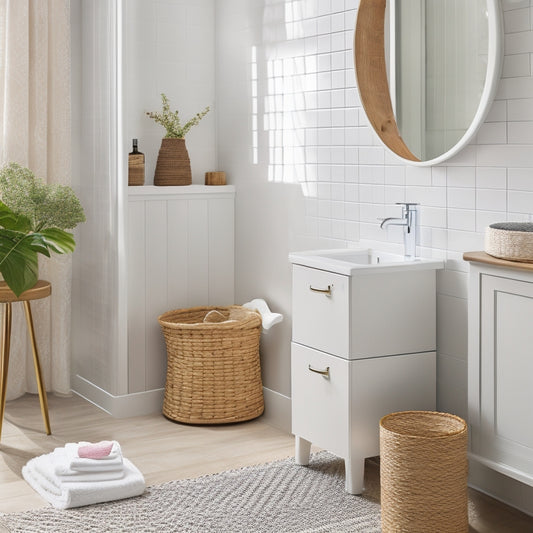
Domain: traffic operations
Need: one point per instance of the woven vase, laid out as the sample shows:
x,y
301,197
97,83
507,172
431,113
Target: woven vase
x,y
173,164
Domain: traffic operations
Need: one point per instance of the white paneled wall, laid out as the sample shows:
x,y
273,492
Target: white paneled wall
x,y
301,153
124,54
180,254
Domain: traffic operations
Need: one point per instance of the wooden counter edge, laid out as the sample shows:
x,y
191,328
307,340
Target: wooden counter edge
x,y
483,257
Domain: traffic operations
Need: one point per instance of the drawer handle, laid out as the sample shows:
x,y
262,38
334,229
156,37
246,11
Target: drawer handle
x,y
321,372
323,291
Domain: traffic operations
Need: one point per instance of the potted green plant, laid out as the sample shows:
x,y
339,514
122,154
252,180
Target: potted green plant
x,y
173,164
34,217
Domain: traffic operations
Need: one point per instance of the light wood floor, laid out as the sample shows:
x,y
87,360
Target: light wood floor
x,y
164,451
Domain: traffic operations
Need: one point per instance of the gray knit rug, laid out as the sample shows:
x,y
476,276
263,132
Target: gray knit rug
x,y
275,497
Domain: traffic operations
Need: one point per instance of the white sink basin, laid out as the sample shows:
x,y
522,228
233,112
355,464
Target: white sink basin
x,y
351,261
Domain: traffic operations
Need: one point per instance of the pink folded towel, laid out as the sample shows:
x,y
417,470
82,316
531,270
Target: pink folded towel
x,y
96,450
72,461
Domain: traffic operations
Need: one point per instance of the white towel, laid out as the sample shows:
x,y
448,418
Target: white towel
x,y
82,464
60,467
268,317
39,473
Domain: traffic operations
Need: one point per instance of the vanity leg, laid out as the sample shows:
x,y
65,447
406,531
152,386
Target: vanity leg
x,y
302,451
355,474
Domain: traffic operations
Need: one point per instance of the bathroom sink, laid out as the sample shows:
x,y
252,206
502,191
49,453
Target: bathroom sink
x,y
362,257
350,261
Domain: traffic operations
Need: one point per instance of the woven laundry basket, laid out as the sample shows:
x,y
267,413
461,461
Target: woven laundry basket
x,y
213,368
423,473
510,240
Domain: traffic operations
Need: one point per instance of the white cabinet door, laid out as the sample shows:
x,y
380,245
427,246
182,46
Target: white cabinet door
x,y
506,373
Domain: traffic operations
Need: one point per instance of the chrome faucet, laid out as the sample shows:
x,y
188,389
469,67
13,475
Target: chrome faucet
x,y
408,221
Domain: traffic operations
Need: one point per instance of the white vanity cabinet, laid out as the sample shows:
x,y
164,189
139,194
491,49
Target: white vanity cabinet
x,y
500,365
363,346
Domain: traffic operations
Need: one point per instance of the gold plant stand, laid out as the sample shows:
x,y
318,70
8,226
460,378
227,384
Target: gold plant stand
x,y
41,289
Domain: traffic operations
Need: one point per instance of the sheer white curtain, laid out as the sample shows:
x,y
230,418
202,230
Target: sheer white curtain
x,y
35,132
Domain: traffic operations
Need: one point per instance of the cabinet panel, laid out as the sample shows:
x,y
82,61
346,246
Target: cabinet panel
x,y
514,367
320,404
384,385
393,314
321,319
506,370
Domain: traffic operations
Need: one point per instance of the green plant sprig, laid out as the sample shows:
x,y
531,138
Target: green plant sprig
x,y
170,120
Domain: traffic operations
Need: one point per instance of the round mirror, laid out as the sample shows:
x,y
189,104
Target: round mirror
x,y
427,71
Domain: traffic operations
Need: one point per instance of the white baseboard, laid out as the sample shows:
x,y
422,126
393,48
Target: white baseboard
x,y
277,406
123,406
277,410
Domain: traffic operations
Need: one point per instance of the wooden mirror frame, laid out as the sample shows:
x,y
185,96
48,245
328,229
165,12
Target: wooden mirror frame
x,y
373,85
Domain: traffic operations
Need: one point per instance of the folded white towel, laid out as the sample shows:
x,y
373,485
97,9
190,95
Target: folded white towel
x,y
60,467
39,473
82,464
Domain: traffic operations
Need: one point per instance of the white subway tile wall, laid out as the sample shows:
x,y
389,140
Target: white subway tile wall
x,y
317,136
339,146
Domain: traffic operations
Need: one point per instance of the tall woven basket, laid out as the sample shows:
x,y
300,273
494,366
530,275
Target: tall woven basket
x,y
423,473
213,369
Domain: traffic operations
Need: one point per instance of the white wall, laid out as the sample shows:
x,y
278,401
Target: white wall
x,y
169,47
95,281
309,171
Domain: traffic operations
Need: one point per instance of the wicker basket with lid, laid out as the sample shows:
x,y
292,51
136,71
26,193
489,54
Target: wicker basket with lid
x,y
213,368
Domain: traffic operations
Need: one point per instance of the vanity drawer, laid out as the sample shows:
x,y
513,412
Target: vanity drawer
x,y
320,402
321,310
